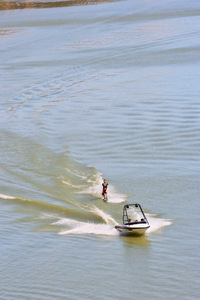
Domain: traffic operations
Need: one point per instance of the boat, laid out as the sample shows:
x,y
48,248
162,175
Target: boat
x,y
134,220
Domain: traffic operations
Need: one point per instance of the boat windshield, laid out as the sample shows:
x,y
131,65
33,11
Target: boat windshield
x,y
133,213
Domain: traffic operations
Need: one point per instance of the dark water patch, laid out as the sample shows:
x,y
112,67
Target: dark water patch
x,y
46,169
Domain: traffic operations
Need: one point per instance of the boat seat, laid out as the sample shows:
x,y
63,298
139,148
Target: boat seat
x,y
139,222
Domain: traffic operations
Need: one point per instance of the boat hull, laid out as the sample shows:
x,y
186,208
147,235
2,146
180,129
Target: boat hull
x,y
132,230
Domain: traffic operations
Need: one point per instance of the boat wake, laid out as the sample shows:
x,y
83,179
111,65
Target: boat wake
x,y
71,226
2,196
91,184
96,222
81,228
157,224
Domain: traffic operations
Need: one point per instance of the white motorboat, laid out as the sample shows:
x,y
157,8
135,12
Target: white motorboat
x,y
134,220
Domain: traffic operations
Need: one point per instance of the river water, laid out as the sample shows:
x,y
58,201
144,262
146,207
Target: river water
x,y
93,90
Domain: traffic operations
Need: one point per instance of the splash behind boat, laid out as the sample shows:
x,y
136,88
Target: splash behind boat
x,y
134,220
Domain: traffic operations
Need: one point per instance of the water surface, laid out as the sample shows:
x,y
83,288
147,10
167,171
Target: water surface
x,y
93,90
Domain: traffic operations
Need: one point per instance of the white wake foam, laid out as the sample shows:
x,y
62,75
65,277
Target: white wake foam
x,y
157,224
95,189
72,226
6,196
91,184
100,213
76,174
76,227
71,185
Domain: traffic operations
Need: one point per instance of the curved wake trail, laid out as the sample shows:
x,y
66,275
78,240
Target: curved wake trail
x,y
104,216
72,226
36,205
92,185
90,212
76,227
7,197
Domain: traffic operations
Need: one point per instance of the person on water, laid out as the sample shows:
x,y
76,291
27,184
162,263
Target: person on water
x,y
105,186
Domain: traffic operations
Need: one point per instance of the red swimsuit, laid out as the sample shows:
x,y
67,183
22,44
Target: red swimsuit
x,y
104,188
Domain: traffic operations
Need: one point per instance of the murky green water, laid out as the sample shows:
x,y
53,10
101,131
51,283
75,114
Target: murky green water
x,y
93,90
